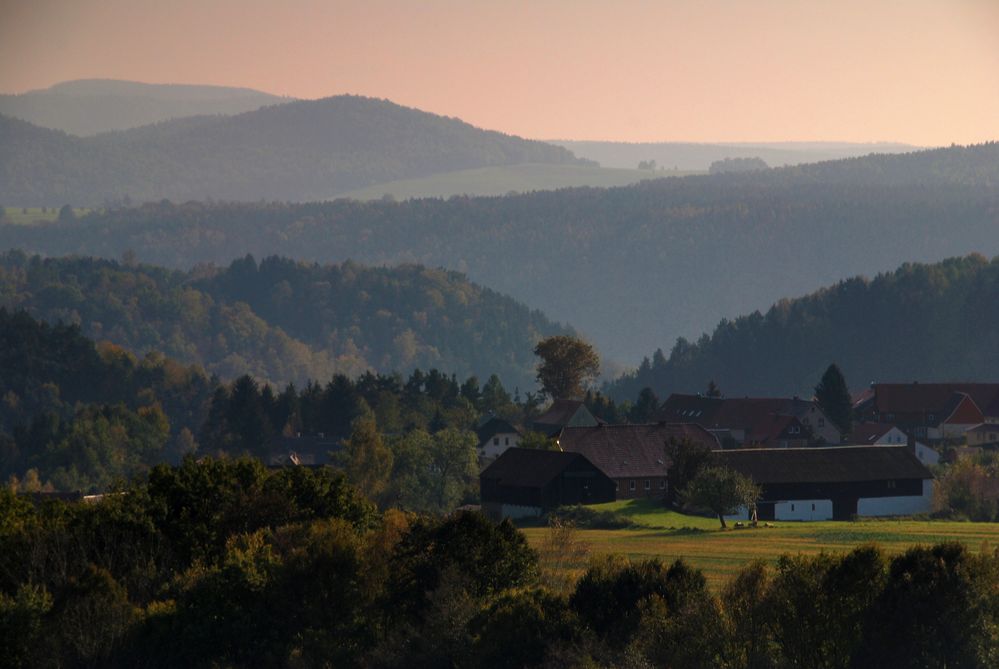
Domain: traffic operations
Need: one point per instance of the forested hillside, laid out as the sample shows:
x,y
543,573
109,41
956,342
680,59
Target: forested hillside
x,y
632,267
281,320
921,322
301,150
89,106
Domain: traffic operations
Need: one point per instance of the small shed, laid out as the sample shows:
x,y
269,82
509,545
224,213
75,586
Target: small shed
x,y
524,482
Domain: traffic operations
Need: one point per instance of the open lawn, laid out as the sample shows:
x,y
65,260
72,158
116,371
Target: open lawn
x,y
720,553
504,179
32,215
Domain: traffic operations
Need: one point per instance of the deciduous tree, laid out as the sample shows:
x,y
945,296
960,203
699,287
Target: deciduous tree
x,y
567,365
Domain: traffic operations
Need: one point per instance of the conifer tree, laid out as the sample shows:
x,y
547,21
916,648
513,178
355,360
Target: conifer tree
x,y
834,398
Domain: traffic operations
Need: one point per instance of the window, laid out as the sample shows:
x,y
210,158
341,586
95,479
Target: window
x,y
495,441
662,484
931,417
891,485
506,441
813,507
648,484
792,507
631,485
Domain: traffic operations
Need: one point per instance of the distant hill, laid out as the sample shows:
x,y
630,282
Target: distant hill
x,y
90,106
632,267
937,322
283,321
296,151
698,157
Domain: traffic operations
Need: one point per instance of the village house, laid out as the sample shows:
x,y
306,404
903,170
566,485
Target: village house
x,y
495,436
884,434
754,421
634,456
930,411
834,483
986,434
523,483
563,413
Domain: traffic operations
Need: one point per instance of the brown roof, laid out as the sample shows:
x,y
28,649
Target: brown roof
x,y
763,418
560,412
933,397
624,451
834,464
528,467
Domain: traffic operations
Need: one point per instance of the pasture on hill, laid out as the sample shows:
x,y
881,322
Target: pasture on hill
x,y
667,535
504,179
32,215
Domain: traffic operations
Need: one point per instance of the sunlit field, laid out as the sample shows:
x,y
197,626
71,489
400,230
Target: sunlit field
x,y
32,215
720,553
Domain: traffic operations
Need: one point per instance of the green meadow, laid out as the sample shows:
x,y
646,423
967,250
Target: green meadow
x,y
658,533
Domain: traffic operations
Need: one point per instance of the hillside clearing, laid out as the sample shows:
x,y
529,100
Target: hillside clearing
x,y
500,180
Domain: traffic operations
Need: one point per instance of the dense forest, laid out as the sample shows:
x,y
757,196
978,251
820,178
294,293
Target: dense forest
x,y
281,320
225,563
928,322
631,267
80,416
90,106
299,150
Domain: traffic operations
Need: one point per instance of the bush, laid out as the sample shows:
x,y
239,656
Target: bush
x,y
588,518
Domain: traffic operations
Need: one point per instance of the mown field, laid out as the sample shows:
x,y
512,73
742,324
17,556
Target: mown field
x,y
488,181
32,215
720,553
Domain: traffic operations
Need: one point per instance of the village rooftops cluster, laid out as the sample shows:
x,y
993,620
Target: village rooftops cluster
x,y
807,468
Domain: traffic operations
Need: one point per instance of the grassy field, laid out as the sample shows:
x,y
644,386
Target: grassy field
x,y
720,553
32,215
505,179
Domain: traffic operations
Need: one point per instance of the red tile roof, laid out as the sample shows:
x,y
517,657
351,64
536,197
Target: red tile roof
x,y
932,397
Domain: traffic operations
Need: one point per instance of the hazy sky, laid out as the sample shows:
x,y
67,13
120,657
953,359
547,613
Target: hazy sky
x,y
918,71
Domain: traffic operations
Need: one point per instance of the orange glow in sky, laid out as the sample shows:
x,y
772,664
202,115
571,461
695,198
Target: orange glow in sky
x,y
918,71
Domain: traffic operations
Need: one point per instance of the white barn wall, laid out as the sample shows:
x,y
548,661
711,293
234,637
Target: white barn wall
x,y
801,509
897,506
514,511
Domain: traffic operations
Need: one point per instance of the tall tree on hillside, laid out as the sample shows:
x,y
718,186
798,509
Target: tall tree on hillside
x,y
567,365
834,398
368,460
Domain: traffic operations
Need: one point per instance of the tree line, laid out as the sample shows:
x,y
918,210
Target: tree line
x,y
226,563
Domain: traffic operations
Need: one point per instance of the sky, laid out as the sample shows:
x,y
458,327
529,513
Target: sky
x,y
923,72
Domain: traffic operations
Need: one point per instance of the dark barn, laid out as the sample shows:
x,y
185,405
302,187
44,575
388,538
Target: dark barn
x,y
835,483
526,482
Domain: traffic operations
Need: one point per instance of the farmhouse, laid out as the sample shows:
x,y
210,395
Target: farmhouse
x,y
768,422
632,455
495,436
525,482
563,413
931,411
835,482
